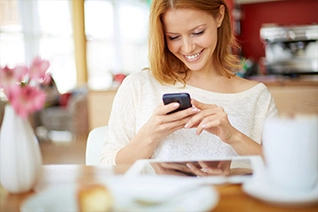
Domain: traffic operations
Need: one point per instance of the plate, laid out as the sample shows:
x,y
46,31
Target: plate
x,y
130,194
262,189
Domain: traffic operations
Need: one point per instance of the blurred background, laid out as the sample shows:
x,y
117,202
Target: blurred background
x,y
107,34
93,44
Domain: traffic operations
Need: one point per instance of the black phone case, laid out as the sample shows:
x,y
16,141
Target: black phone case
x,y
182,98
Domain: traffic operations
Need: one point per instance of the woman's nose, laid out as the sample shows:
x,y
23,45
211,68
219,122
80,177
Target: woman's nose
x,y
187,45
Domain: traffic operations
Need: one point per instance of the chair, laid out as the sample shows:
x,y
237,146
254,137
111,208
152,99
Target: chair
x,y
71,117
94,145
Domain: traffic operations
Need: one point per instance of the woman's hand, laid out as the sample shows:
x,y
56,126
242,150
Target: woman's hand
x,y
213,119
162,124
157,127
210,168
172,168
200,168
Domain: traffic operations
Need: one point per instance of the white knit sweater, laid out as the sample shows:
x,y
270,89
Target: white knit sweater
x,y
140,94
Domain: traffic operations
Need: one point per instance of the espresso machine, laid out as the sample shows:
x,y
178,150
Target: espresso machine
x,y
291,49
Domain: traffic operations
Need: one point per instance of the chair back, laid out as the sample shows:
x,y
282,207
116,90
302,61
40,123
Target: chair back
x,y
94,145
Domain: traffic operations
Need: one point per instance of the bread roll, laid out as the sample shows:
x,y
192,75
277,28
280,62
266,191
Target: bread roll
x,y
94,198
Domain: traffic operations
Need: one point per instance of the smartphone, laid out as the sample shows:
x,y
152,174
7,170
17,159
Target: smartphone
x,y
182,98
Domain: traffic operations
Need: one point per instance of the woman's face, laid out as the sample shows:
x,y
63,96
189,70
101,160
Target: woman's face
x,y
192,36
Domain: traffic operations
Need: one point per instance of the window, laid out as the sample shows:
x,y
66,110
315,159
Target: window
x,y
56,42
11,36
36,27
117,33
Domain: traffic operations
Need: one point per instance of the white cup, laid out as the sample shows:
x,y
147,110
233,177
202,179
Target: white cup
x,y
290,150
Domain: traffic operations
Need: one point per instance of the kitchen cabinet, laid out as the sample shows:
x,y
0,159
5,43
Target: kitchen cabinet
x,y
295,99
295,95
99,107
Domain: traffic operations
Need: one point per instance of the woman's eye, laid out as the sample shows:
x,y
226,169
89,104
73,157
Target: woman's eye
x,y
199,33
173,38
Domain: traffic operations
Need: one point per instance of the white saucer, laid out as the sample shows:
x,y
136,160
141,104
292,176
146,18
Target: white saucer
x,y
261,189
130,194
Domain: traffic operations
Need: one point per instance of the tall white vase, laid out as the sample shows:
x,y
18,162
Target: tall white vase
x,y
20,155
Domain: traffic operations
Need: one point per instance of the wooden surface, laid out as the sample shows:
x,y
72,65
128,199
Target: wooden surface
x,y
293,95
232,198
295,99
278,80
99,107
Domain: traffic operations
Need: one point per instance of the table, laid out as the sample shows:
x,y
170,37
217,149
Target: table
x,y
232,198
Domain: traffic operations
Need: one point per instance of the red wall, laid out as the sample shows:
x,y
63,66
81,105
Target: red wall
x,y
288,12
230,4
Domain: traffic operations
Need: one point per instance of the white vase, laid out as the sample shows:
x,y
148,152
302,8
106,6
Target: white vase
x,y
20,155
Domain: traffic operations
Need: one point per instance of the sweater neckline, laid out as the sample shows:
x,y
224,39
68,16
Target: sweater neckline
x,y
249,91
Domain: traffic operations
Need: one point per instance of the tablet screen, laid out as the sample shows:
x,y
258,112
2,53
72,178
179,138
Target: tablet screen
x,y
203,168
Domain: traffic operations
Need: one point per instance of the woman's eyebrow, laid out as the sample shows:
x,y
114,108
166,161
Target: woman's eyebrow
x,y
190,30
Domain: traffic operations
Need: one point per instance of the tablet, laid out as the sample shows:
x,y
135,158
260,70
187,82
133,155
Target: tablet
x,y
239,169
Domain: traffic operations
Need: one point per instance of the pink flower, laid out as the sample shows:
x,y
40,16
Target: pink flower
x,y
27,99
21,85
10,77
38,69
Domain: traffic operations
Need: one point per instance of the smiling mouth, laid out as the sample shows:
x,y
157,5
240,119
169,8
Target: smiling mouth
x,y
194,56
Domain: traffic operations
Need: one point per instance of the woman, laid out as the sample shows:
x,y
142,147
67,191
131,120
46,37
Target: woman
x,y
190,51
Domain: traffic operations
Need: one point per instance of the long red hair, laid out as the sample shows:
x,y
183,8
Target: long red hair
x,y
167,68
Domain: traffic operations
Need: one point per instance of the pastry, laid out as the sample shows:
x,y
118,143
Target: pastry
x,y
94,198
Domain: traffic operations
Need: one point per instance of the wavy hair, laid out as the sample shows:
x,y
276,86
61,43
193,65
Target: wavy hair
x,y
167,68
